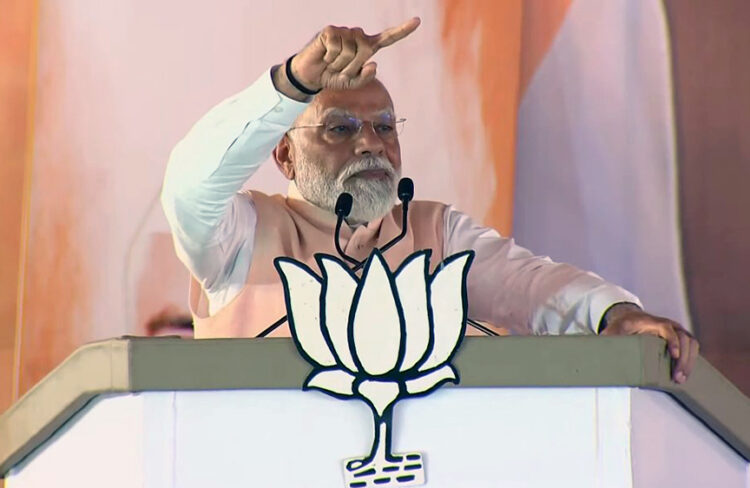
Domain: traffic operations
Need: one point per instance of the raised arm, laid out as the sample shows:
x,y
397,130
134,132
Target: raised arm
x,y
213,226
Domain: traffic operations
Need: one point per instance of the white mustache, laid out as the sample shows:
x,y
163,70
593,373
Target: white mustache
x,y
366,164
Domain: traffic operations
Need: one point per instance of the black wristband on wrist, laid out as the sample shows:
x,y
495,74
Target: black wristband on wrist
x,y
294,81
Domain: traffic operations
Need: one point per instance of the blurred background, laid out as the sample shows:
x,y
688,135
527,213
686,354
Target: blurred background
x,y
614,135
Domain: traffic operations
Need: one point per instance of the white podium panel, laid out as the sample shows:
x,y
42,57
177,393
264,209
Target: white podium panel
x,y
469,437
674,448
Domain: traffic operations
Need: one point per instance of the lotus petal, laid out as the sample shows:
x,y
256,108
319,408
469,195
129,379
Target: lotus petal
x,y
411,284
336,381
376,325
448,300
339,288
380,394
427,382
302,293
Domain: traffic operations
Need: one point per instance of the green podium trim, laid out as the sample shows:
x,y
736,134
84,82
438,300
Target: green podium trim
x,y
133,364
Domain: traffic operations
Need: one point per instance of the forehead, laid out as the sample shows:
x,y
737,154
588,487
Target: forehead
x,y
371,99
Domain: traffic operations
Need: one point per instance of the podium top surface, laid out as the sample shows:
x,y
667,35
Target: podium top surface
x,y
132,364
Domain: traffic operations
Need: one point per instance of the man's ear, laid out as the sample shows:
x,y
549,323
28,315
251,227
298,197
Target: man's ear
x,y
282,154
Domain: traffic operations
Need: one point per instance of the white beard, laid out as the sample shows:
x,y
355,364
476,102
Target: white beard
x,y
372,198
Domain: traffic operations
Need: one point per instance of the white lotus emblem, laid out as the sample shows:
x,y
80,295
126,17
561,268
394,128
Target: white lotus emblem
x,y
379,338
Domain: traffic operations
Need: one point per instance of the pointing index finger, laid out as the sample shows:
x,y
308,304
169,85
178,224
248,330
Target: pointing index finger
x,y
395,34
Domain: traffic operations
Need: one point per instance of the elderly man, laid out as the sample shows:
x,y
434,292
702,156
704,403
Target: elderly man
x,y
331,127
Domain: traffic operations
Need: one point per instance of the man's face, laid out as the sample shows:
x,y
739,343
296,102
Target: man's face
x,y
356,150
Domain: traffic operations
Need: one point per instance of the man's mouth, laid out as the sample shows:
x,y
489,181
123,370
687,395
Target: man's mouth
x,y
372,174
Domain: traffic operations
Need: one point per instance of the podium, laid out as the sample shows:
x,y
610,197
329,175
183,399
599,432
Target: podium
x,y
572,411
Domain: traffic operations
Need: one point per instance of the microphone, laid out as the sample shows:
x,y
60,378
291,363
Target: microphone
x,y
344,205
405,190
342,209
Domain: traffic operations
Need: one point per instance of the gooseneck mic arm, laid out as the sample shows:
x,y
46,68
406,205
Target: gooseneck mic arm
x,y
342,209
405,194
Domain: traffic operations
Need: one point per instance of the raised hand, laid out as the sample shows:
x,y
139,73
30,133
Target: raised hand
x,y
339,57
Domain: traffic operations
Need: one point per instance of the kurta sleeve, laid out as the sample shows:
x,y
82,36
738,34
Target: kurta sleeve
x,y
511,287
212,225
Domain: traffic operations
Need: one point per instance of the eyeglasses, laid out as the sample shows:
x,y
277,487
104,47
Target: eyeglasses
x,y
344,128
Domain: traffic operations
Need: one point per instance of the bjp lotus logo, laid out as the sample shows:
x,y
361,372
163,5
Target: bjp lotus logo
x,y
379,338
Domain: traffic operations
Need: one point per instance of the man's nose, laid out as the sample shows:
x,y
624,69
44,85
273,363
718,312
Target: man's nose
x,y
367,141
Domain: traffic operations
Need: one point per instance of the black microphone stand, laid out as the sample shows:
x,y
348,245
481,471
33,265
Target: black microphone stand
x,y
342,210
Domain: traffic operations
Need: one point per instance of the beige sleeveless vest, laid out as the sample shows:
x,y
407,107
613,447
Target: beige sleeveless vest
x,y
290,226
